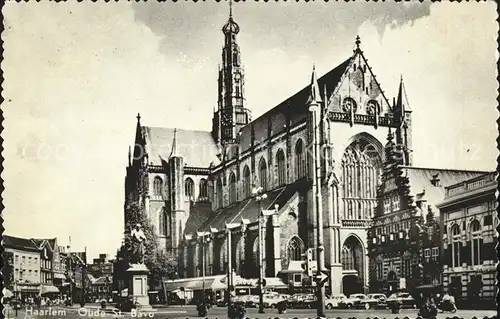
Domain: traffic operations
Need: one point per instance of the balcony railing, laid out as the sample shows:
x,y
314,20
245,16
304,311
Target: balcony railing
x,y
361,119
356,223
471,184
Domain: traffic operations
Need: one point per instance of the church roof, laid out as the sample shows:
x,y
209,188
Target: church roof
x,y
294,108
19,243
199,213
197,148
248,208
420,179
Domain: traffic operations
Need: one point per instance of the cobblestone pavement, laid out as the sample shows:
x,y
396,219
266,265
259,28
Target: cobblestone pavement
x,y
219,312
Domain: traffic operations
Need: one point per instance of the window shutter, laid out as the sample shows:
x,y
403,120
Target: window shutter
x,y
470,259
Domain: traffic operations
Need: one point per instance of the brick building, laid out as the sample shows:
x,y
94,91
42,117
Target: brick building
x,y
468,219
190,183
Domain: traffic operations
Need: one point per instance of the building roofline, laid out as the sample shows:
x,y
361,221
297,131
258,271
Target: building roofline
x,y
444,169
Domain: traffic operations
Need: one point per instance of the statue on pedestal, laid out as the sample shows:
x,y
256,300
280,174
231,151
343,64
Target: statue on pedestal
x,y
138,240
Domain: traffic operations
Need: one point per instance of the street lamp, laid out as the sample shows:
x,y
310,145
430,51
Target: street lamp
x,y
230,285
203,242
259,196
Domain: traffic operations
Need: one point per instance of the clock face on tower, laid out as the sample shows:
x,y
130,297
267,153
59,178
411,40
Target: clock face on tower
x,y
226,119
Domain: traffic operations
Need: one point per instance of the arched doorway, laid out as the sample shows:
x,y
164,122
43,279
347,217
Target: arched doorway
x,y
351,284
353,258
392,281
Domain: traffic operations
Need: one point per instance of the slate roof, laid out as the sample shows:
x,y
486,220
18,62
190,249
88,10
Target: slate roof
x,y
293,108
19,243
199,214
248,209
420,179
197,148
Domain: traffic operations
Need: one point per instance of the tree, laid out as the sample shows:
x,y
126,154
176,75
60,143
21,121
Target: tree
x,y
160,263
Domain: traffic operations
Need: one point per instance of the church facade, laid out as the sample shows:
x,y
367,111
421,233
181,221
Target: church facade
x,y
192,183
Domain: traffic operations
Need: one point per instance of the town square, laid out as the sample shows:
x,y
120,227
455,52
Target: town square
x,y
250,160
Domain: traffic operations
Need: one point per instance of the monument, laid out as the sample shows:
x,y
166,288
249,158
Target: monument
x,y
138,272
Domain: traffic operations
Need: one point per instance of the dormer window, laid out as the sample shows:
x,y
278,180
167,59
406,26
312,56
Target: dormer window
x,y
435,181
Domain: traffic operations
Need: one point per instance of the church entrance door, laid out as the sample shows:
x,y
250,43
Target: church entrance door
x,y
351,284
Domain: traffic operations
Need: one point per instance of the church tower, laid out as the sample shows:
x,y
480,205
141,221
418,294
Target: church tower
x,y
231,114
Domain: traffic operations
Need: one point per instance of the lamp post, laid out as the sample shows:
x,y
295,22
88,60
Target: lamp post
x,y
259,196
205,239
230,286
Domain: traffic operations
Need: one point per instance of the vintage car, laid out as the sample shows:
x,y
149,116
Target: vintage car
x,y
352,301
375,300
404,298
295,301
333,301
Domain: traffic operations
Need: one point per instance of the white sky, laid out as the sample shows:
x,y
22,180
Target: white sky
x,y
76,75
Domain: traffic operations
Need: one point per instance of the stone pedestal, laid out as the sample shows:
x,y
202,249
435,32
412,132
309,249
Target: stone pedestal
x,y
138,284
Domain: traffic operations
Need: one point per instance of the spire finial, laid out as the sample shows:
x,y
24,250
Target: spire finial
x,y
129,155
358,42
315,94
230,9
138,117
173,153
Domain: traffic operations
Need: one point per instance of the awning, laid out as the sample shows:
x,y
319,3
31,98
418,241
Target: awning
x,y
59,276
191,283
7,293
274,282
294,267
49,289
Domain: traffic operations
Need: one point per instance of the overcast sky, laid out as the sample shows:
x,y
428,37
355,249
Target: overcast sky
x,y
76,75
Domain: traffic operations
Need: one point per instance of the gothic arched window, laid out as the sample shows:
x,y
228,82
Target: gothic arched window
x,y
294,249
218,193
360,170
247,182
158,186
300,162
161,222
281,164
232,188
256,250
455,245
223,256
203,190
263,174
189,189
475,229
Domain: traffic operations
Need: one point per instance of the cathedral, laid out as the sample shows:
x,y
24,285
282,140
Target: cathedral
x,y
197,187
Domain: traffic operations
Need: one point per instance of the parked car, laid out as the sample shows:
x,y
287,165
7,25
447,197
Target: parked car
x,y
352,301
272,300
405,298
252,301
308,302
294,300
333,301
376,300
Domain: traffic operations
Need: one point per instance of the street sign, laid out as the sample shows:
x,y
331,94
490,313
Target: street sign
x,y
322,276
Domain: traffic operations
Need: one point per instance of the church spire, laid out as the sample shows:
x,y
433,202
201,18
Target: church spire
x,y
173,153
231,114
314,94
129,156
